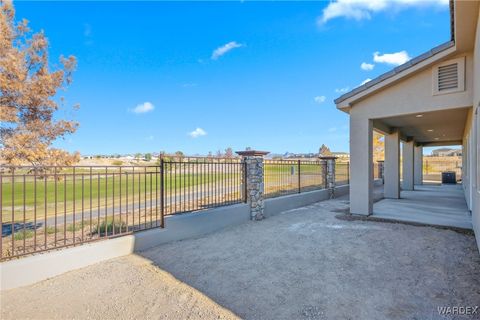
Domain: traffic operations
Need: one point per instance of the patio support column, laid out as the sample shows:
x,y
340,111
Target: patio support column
x,y
252,180
418,165
361,165
392,165
408,165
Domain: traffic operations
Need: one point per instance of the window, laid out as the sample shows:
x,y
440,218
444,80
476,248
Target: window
x,y
449,76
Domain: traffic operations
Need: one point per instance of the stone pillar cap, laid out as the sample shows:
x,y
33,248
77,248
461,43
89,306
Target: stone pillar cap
x,y
328,157
251,153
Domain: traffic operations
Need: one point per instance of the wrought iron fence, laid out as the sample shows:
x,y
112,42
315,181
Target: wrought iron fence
x,y
282,177
342,173
44,208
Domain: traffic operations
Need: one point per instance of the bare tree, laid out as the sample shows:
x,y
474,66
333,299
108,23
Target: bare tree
x,y
27,91
324,151
179,155
228,153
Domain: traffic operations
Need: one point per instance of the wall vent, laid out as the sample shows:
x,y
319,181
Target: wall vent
x,y
449,76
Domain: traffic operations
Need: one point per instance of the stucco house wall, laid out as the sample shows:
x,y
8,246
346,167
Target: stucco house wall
x,y
420,97
408,90
475,135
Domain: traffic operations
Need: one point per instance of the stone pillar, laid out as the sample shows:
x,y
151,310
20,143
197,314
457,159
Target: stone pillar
x,y
329,169
407,170
361,164
418,165
253,181
392,165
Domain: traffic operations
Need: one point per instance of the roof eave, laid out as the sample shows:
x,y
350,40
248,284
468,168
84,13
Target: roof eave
x,y
429,57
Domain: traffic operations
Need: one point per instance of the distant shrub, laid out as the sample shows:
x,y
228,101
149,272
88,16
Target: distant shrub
x,y
117,162
20,235
106,227
76,227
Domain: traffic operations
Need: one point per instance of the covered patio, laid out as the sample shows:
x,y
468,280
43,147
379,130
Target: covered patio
x,y
407,197
427,102
430,204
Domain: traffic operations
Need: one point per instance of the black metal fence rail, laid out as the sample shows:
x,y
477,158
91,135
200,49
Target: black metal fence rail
x,y
342,173
44,208
282,177
50,207
201,184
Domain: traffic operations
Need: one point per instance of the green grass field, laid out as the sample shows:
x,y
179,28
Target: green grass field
x,y
100,189
106,190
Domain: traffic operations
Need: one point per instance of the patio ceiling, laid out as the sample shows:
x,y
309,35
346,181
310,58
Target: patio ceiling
x,y
429,128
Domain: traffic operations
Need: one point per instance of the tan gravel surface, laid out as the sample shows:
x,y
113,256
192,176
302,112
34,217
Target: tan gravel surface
x,y
124,288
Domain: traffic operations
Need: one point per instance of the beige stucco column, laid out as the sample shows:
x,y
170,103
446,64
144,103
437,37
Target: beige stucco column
x,y
408,167
418,165
361,165
392,165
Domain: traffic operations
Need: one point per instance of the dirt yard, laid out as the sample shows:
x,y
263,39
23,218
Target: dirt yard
x,y
302,264
125,288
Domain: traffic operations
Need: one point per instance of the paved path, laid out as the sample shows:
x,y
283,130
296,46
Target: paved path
x,y
430,204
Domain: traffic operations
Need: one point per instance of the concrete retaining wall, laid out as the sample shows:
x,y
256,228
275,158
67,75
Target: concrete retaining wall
x,y
274,206
31,269
190,225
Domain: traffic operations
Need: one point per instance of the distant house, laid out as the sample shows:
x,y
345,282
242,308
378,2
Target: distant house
x,y
447,152
341,155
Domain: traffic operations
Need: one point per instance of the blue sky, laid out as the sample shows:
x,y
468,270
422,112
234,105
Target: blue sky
x,y
205,76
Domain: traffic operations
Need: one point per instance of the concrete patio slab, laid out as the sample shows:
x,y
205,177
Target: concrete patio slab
x,y
442,205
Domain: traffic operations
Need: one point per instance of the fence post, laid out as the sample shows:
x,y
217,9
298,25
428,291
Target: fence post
x,y
380,164
348,173
299,177
162,192
253,181
329,165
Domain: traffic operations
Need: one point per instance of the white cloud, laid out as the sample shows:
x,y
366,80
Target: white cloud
x,y
367,66
365,81
87,30
87,34
342,90
395,59
150,138
332,129
189,85
197,133
220,51
320,99
363,9
143,108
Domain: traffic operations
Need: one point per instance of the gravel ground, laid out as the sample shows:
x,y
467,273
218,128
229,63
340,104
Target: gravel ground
x,y
124,288
301,264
